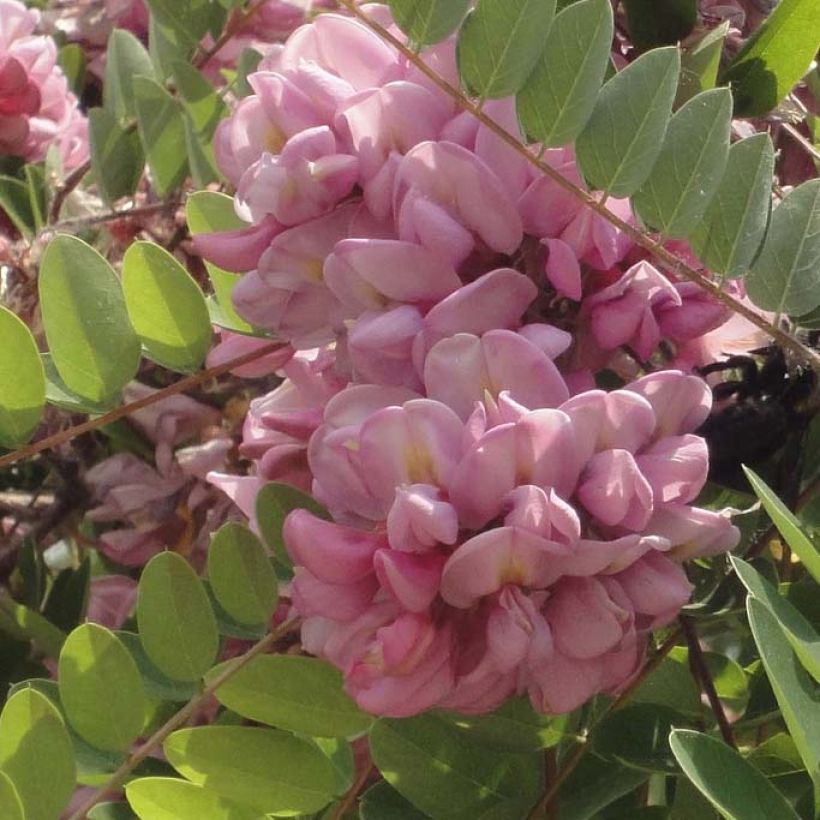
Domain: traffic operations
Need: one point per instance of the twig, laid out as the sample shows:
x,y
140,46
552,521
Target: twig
x,y
701,674
202,58
111,216
181,386
801,140
177,720
671,262
69,184
352,793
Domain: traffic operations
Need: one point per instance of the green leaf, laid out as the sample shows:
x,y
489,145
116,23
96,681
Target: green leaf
x,y
189,19
619,145
654,24
272,771
730,681
786,276
111,811
156,683
200,99
444,774
200,155
23,396
299,694
26,624
689,169
795,691
68,596
125,58
230,627
94,347
166,307
35,182
774,58
176,623
11,807
36,754
246,65
671,685
637,736
14,200
776,756
209,211
273,503
162,131
167,47
101,689
734,225
733,786
803,638
72,61
168,798
383,802
558,97
58,393
241,575
515,726
428,21
117,159
700,62
499,44
787,524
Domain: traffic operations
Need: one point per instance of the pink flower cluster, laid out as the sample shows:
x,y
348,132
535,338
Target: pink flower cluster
x,y
500,526
37,110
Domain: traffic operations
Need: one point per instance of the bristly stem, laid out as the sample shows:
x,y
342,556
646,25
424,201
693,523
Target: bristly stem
x,y
670,261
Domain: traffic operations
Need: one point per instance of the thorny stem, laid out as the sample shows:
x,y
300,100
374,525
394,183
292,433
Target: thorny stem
x,y
701,674
181,386
544,805
670,261
144,750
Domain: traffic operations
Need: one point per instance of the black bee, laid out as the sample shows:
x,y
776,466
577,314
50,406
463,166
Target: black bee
x,y
762,417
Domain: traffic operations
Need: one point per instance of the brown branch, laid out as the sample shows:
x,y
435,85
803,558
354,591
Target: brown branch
x,y
111,216
181,386
670,261
69,184
352,793
700,672
144,750
233,27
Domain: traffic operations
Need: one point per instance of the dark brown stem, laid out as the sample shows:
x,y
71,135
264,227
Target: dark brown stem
x,y
69,184
181,386
670,261
701,674
112,216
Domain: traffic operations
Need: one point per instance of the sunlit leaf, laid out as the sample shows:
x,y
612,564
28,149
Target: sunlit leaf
x,y
11,807
23,392
125,58
499,44
270,770
166,307
428,21
168,798
94,347
733,786
786,276
560,92
299,694
36,754
176,623
624,135
688,171
100,688
733,227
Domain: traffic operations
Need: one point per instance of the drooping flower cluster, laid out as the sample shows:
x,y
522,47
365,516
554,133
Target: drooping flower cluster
x,y
500,526
37,109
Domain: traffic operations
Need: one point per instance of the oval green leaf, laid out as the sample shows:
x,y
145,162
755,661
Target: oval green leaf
x,y
619,145
93,345
101,688
733,786
125,58
36,754
786,276
117,159
24,383
802,636
168,798
442,772
795,691
734,225
775,57
499,44
690,166
560,92
176,623
298,694
166,307
272,771
241,575
11,807
155,682
428,21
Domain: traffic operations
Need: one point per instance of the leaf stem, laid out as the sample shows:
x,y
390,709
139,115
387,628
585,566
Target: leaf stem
x,y
144,750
